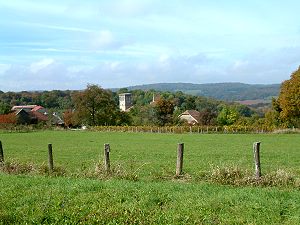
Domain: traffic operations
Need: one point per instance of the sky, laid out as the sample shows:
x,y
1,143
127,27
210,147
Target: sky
x,y
67,44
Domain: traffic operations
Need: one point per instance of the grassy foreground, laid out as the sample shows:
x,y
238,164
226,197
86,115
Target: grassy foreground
x,y
146,153
35,199
44,200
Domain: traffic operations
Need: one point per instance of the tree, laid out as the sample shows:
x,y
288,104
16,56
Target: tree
x,y
123,119
95,106
189,103
207,117
4,108
69,118
289,100
227,116
164,111
244,110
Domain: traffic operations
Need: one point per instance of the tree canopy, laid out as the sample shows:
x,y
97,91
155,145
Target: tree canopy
x,y
289,99
95,106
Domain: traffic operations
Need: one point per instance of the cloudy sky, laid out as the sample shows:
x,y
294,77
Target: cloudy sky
x,y
66,44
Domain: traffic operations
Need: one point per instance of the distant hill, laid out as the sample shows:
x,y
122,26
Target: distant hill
x,y
222,91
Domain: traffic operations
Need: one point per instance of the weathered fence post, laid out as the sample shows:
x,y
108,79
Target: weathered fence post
x,y
106,157
1,153
179,159
50,158
256,149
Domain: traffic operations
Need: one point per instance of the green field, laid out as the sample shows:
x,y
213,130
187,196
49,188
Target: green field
x,y
155,197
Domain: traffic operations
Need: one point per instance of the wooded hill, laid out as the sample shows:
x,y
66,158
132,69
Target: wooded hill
x,y
221,91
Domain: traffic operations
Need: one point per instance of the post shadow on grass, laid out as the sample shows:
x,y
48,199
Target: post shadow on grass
x,y
1,154
256,151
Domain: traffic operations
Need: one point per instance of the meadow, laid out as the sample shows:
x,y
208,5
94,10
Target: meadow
x,y
148,193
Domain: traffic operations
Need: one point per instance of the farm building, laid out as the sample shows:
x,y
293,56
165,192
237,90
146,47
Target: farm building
x,y
190,116
30,114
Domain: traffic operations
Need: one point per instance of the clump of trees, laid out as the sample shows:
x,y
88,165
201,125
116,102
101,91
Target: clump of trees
x,y
95,106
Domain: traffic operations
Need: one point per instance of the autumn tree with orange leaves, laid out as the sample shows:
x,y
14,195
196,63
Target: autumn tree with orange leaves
x,y
288,102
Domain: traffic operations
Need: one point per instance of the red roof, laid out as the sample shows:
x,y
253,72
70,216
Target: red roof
x,y
37,107
39,116
23,107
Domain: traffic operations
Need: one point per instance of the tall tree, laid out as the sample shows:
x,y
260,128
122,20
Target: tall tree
x,y
95,106
289,99
164,111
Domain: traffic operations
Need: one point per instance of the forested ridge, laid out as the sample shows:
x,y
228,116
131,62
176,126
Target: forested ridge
x,y
221,91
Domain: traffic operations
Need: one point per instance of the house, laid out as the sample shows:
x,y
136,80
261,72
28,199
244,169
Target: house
x,y
30,114
190,116
57,120
18,116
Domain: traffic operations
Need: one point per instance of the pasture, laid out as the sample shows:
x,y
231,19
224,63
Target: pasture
x,y
155,197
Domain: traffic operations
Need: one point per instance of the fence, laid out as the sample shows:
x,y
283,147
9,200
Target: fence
x,y
184,129
179,163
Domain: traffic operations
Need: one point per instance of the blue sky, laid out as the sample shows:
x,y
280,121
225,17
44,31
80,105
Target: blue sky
x,y
46,45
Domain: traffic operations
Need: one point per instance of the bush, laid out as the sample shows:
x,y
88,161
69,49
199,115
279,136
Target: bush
x,y
233,175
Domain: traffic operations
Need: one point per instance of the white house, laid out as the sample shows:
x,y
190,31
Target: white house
x,y
190,116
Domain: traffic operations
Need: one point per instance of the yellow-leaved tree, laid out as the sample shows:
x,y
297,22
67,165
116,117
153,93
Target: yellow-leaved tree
x,y
289,100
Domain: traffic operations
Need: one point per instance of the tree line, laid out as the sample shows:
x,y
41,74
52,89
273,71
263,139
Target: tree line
x,y
97,106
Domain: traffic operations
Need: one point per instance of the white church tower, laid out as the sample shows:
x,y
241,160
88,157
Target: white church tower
x,y
125,100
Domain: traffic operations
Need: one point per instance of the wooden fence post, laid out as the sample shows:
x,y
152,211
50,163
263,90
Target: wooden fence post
x,y
50,158
256,149
106,157
1,153
179,159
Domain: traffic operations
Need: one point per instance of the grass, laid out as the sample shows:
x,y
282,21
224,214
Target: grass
x,y
206,194
44,200
148,154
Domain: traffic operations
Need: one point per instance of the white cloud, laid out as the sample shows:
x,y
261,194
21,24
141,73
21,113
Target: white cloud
x,y
103,39
50,74
57,27
265,66
37,66
240,64
4,68
163,58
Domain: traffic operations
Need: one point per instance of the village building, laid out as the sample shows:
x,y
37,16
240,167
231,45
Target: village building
x,y
190,116
30,114
155,98
125,101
